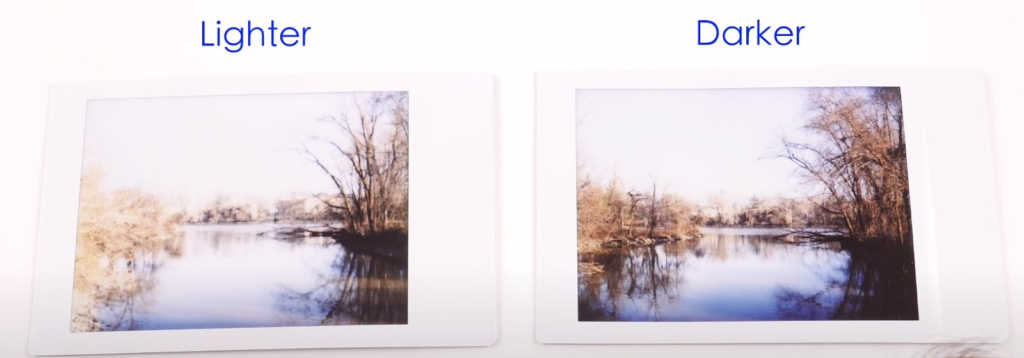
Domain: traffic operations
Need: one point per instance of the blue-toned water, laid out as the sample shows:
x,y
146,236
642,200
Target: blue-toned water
x,y
737,274
230,276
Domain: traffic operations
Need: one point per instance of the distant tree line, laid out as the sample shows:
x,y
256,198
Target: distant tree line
x,y
298,208
760,212
606,210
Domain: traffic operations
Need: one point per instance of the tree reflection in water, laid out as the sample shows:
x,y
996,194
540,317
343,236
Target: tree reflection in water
x,y
733,277
121,292
359,289
260,282
879,284
643,272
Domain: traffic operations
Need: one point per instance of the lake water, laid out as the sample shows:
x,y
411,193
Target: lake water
x,y
229,276
744,274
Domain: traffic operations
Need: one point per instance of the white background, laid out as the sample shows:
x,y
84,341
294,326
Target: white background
x,y
53,41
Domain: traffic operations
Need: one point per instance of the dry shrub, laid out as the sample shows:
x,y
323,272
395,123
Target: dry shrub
x,y
588,245
606,211
587,269
112,226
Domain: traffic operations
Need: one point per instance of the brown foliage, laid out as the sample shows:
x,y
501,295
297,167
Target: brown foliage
x,y
113,227
606,211
858,160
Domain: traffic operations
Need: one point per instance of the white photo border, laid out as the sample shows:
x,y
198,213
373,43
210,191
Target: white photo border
x,y
957,235
452,146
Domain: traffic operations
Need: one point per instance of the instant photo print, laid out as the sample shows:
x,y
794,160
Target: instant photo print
x,y
766,207
267,213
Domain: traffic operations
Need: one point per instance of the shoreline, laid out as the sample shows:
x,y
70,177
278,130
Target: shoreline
x,y
785,234
392,245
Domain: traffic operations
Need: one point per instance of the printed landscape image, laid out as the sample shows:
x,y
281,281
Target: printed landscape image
x,y
775,204
243,211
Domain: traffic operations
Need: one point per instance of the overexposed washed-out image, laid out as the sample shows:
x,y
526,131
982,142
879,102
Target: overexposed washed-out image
x,y
243,211
754,204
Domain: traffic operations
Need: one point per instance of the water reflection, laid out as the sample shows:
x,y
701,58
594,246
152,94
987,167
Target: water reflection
x,y
359,289
229,276
748,275
130,280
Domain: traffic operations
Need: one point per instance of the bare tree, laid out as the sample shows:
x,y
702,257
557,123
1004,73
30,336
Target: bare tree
x,y
654,208
858,160
368,163
718,204
634,201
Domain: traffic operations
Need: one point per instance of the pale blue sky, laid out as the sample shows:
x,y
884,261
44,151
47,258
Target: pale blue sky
x,y
201,147
699,142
